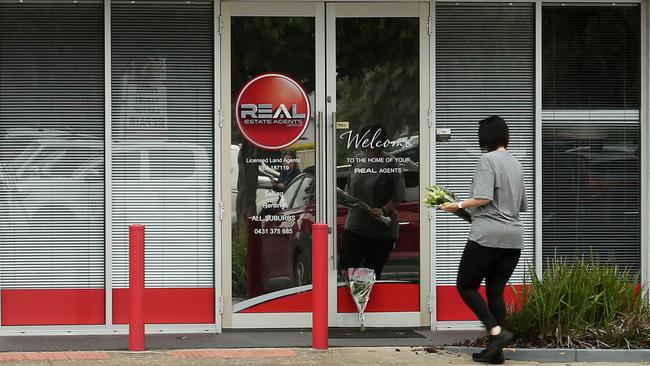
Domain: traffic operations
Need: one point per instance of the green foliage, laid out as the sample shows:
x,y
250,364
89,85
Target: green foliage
x,y
582,304
377,76
273,44
240,260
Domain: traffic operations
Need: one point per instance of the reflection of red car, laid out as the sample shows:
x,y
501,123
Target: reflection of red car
x,y
279,252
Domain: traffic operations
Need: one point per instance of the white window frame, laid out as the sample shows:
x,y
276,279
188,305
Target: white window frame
x,y
421,10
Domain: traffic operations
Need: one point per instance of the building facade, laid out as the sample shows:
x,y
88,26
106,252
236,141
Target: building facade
x,y
228,128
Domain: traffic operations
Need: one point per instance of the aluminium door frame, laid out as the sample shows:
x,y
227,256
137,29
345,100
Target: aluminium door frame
x,y
270,9
414,9
219,214
431,212
645,140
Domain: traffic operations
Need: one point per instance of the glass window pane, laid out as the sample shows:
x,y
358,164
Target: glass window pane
x,y
52,161
591,132
378,95
306,193
271,252
485,65
590,56
162,140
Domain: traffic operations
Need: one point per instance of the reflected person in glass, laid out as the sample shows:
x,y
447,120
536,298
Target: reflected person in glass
x,y
290,171
375,178
497,196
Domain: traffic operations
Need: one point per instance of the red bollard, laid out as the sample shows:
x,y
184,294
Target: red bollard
x,y
136,287
319,285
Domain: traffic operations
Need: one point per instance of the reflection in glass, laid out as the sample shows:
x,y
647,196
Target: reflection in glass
x,y
162,138
591,133
273,192
52,147
377,93
376,180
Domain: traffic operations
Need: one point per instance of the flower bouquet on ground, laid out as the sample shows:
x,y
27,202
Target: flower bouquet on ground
x,y
438,196
349,201
361,281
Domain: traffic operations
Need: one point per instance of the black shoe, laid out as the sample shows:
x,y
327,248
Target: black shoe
x,y
496,360
497,342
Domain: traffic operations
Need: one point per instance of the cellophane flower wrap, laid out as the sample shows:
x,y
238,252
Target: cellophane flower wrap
x,y
439,195
361,281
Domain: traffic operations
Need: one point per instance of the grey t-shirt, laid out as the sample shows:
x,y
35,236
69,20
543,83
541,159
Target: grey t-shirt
x,y
500,179
376,181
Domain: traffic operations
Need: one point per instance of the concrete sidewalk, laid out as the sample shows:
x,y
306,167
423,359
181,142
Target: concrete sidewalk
x,y
404,356
374,337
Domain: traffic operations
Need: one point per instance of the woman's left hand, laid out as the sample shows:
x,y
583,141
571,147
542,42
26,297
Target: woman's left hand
x,y
450,207
376,213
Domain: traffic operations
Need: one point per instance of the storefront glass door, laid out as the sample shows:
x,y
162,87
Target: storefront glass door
x,y
375,109
300,81
271,95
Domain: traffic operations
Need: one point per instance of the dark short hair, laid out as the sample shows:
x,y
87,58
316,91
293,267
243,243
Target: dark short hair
x,y
291,153
372,128
493,133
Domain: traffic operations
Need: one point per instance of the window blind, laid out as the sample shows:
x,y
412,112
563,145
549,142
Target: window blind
x,y
162,92
591,132
51,145
485,65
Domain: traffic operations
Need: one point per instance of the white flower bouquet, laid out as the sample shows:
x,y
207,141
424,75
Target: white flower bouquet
x,y
438,196
361,281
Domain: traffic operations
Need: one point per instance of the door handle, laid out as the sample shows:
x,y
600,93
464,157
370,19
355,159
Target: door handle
x,y
322,160
319,166
332,227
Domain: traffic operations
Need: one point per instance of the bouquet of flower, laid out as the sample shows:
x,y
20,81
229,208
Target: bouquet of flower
x,y
350,201
361,281
438,196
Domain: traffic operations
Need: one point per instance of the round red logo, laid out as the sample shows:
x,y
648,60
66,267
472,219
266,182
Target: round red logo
x,y
272,111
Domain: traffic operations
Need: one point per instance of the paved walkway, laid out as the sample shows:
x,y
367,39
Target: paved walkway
x,y
351,337
390,356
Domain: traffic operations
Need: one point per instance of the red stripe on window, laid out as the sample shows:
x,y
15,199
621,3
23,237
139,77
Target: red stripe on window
x,y
52,306
168,306
450,305
385,297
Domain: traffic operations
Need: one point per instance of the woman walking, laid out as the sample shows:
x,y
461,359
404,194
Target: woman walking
x,y
497,196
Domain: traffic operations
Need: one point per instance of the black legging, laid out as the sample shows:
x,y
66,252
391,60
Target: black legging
x,y
495,265
359,249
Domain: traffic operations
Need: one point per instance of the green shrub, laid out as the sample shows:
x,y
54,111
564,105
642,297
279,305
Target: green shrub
x,y
582,304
